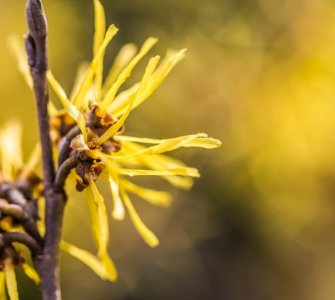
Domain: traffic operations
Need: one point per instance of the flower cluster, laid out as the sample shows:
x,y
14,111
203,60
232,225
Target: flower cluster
x,y
20,196
88,134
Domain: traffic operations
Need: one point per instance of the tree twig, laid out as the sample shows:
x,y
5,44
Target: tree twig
x,y
36,47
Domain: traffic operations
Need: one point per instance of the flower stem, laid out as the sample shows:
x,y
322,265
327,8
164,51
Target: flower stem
x,y
36,47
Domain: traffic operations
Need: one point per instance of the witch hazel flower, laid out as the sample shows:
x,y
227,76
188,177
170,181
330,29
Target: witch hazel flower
x,y
89,136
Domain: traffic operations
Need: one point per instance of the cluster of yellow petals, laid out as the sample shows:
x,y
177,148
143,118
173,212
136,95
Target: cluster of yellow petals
x,y
138,156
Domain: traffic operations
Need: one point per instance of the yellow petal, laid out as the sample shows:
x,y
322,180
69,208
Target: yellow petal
x,y
2,286
161,73
139,139
86,85
199,140
146,77
147,235
99,218
85,257
192,172
109,97
118,211
172,58
184,183
58,90
91,261
158,162
10,149
207,143
17,47
124,56
121,102
196,140
100,26
68,106
33,161
155,161
31,273
11,281
152,196
167,145
27,266
100,29
118,208
81,71
109,267
166,162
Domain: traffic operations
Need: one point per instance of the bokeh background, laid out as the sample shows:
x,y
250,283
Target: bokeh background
x,y
260,76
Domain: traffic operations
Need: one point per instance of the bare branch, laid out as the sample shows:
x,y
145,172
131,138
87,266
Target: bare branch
x,y
36,47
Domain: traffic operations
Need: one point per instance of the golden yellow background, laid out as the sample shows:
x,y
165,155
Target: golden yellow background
x,y
260,76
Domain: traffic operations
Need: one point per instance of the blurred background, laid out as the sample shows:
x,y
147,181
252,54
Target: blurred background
x,y
260,76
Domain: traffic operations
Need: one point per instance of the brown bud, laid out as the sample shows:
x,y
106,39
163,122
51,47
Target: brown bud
x,y
37,23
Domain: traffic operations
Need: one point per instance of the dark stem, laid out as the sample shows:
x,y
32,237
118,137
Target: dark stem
x,y
64,145
28,216
47,263
22,238
36,46
64,171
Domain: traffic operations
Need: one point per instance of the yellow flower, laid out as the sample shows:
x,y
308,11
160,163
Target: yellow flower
x,y
100,110
13,172
9,278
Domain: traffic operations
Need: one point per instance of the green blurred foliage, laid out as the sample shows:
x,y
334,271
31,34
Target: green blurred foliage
x,y
259,76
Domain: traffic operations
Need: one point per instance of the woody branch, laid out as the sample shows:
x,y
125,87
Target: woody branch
x,y
36,47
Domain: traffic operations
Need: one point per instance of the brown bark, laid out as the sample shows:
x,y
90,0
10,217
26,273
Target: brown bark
x,y
47,263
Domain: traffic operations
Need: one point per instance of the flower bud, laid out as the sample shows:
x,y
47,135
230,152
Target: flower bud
x,y
37,22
